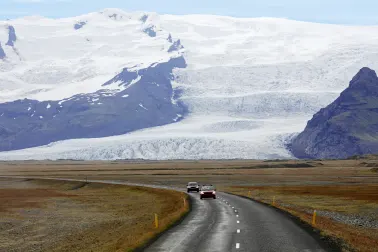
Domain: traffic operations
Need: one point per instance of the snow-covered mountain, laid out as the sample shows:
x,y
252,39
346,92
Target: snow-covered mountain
x,y
190,86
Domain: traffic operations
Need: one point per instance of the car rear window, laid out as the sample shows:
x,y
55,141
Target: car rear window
x,y
192,184
207,188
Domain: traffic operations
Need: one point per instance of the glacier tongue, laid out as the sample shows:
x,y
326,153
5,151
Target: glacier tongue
x,y
193,138
248,86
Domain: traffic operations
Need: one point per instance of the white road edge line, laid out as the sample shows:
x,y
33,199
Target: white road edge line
x,y
237,245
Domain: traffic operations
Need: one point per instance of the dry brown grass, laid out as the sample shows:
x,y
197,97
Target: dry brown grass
x,y
246,172
74,216
268,178
11,199
345,199
366,192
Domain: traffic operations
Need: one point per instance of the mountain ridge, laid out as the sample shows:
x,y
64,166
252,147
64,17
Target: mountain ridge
x,y
346,127
249,83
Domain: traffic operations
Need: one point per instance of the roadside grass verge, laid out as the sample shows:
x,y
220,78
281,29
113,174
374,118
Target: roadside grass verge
x,y
347,200
72,216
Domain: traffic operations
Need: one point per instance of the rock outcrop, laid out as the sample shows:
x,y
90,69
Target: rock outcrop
x,y
347,127
150,31
12,36
176,46
144,99
79,25
2,53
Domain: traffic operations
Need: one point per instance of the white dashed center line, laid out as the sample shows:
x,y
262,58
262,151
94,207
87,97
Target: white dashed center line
x,y
237,245
238,231
237,216
238,222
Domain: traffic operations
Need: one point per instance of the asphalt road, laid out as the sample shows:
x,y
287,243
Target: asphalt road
x,y
232,223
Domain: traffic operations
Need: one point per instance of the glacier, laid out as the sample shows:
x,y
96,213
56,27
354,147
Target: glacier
x,y
249,84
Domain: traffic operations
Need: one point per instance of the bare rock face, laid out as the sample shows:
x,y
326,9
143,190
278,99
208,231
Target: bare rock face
x,y
150,31
12,36
347,127
145,99
176,46
2,53
79,25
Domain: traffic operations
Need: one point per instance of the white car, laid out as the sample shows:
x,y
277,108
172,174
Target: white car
x,y
193,186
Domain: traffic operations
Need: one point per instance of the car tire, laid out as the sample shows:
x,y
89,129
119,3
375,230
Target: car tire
x,y
215,197
201,198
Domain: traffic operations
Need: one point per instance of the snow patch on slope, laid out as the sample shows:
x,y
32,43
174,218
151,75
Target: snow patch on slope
x,y
59,62
249,84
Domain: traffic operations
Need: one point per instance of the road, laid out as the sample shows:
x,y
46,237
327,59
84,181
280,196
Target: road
x,y
232,223
227,224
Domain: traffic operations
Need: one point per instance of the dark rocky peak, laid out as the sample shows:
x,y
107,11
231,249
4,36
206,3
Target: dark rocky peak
x,y
170,40
12,36
79,25
150,30
348,126
362,88
176,46
2,53
365,76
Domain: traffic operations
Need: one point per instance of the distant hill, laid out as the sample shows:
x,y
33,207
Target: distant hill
x,y
347,127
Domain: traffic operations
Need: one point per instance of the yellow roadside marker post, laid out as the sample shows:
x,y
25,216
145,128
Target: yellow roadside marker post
x,y
156,221
184,202
274,201
314,218
249,194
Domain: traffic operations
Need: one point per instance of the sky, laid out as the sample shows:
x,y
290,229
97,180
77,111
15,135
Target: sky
x,y
350,12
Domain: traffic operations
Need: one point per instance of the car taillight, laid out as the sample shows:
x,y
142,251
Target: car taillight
x,y
213,192
201,192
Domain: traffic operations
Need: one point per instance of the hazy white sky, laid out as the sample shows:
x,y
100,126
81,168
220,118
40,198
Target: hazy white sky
x,y
325,11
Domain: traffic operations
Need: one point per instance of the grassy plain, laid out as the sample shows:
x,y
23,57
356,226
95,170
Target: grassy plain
x,y
342,187
46,215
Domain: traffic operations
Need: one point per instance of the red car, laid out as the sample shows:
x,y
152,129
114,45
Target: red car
x,y
208,191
